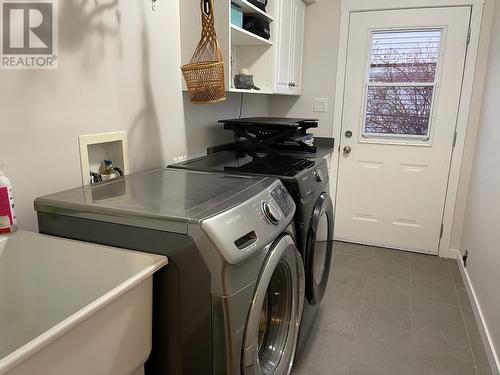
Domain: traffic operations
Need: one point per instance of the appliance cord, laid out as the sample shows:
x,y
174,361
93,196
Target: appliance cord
x,y
241,105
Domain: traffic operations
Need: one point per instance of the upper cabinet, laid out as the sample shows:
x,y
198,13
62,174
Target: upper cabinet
x,y
290,47
298,26
274,61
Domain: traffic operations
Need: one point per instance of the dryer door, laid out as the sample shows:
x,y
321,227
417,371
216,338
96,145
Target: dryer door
x,y
319,249
274,317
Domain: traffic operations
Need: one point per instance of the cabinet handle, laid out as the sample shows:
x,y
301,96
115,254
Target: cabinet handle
x,y
291,84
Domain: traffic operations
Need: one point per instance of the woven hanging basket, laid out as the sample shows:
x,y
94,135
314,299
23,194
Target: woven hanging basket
x,y
204,74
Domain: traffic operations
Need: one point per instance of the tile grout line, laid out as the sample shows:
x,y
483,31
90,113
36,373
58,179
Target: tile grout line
x,y
463,319
301,369
330,280
363,302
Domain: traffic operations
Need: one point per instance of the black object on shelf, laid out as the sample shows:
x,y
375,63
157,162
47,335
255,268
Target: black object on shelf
x,y
272,134
261,4
245,82
257,25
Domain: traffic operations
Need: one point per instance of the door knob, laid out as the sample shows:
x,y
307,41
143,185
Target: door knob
x,y
347,149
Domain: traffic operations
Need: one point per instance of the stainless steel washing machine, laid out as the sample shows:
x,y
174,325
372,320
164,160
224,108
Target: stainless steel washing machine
x,y
307,182
231,299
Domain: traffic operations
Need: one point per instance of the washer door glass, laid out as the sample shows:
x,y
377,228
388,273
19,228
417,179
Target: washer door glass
x,y
272,325
275,318
319,250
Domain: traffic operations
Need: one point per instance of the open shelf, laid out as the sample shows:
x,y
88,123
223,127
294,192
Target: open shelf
x,y
247,7
242,91
241,37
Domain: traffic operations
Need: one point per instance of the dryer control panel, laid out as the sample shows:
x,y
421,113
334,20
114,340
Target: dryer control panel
x,y
247,228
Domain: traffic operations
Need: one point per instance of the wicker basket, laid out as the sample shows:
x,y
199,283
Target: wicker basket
x,y
204,74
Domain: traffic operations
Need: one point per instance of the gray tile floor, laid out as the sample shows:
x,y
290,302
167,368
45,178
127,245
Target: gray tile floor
x,y
390,312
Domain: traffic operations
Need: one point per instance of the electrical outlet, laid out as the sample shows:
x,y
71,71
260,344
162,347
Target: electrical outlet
x,y
180,159
320,105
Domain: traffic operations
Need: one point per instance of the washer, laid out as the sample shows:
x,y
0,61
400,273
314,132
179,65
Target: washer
x,y
231,299
308,183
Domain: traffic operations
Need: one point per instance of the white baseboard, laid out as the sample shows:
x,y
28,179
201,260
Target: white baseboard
x,y
483,327
449,253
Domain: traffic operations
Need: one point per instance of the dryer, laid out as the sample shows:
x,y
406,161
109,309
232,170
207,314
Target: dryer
x,y
231,299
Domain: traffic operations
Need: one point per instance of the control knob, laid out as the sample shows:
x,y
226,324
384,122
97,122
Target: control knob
x,y
318,175
271,212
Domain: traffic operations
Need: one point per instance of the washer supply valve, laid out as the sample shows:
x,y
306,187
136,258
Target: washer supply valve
x,y
108,171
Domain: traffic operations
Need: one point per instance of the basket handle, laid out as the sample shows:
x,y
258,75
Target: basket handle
x,y
207,7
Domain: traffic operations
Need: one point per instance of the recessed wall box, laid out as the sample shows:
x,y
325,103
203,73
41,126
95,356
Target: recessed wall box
x,y
94,148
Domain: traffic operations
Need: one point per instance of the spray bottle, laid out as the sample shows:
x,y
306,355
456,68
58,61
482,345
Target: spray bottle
x,y
8,221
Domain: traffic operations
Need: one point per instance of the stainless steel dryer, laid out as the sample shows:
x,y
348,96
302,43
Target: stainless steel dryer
x,y
231,299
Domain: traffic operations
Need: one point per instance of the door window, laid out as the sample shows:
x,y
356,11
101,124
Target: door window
x,y
401,83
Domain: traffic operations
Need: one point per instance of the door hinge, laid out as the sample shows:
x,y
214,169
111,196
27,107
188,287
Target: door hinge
x,y
468,35
441,231
455,135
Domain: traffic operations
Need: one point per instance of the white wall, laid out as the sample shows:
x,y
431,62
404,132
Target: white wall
x,y
471,133
480,231
118,70
320,67
202,127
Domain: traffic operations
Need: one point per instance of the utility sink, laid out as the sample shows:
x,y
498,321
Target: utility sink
x,y
69,307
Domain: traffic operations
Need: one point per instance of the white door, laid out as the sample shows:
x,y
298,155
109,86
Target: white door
x,y
403,81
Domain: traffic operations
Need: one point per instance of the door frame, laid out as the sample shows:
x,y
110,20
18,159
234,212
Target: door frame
x,y
468,112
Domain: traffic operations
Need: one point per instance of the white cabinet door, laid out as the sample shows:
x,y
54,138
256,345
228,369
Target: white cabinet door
x,y
284,42
298,23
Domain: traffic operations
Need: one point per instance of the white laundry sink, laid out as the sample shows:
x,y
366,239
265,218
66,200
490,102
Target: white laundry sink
x,y
73,308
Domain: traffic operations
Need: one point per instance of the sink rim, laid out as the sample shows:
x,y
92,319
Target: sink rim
x,y
50,335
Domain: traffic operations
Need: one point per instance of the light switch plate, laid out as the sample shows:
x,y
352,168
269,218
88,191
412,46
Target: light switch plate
x,y
320,105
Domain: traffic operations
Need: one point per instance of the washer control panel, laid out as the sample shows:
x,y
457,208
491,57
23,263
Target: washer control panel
x,y
283,199
251,225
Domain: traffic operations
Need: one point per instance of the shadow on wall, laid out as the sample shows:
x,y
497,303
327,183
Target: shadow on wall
x,y
85,25
93,30
285,103
146,120
202,127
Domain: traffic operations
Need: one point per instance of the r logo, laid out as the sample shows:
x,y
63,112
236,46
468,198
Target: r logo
x,y
27,29
29,37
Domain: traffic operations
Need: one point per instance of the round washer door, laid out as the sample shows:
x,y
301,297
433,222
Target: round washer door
x,y
319,250
273,320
